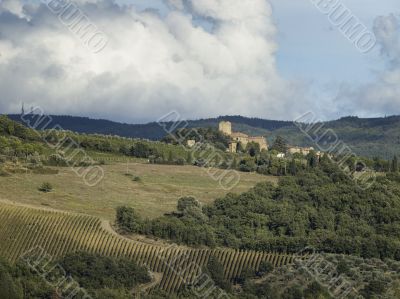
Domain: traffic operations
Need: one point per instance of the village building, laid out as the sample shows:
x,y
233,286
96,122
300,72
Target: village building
x,y
300,150
233,147
225,127
191,143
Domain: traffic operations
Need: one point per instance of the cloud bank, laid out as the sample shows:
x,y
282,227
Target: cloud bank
x,y
151,64
381,96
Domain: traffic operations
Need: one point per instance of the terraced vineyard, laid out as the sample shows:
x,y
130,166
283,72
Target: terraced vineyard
x,y
23,229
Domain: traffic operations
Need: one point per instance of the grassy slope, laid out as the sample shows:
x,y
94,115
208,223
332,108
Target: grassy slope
x,y
157,193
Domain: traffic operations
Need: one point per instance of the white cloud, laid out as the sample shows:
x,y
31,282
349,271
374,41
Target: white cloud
x,y
381,96
151,65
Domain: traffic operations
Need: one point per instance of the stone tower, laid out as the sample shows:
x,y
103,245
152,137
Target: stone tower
x,y
225,127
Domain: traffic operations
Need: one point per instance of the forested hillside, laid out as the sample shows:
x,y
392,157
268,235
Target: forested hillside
x,y
319,207
367,137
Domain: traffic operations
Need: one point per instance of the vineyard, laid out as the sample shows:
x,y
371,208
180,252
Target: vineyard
x,y
58,233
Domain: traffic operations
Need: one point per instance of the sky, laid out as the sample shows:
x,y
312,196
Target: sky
x,y
142,59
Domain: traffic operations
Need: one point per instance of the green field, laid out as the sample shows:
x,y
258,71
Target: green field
x,y
156,193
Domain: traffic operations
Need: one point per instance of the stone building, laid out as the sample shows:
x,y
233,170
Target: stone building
x,y
238,137
233,147
300,150
225,127
191,143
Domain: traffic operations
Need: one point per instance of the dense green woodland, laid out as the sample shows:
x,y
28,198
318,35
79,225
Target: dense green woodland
x,y
319,207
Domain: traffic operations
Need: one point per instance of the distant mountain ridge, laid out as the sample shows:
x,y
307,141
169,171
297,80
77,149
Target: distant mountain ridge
x,y
152,130
366,136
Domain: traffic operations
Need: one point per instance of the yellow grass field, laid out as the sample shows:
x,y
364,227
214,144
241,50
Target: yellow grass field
x,y
156,193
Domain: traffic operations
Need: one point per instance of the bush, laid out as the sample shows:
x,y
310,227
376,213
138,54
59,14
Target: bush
x,y
9,288
216,270
137,179
128,220
46,187
57,160
186,203
93,271
141,150
265,268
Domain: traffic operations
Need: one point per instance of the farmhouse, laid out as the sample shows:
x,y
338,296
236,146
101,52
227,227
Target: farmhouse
x,y
300,150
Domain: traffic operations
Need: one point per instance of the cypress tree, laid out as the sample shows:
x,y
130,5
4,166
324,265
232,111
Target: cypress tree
x,y
395,164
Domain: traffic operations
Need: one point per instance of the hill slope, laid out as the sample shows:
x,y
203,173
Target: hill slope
x,y
31,233
366,136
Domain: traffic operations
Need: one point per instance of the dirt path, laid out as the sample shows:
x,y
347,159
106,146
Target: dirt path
x,y
143,288
105,224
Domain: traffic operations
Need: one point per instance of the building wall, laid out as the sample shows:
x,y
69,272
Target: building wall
x,y
191,143
225,127
233,147
261,141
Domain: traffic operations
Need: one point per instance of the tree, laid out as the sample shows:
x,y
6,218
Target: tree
x,y
293,167
128,220
395,164
280,144
312,159
141,150
234,163
216,271
8,288
189,158
253,149
93,271
170,157
46,187
264,268
186,203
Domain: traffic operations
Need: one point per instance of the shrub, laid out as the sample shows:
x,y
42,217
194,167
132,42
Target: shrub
x,y
265,268
93,271
216,270
46,187
185,203
57,160
128,220
137,179
8,287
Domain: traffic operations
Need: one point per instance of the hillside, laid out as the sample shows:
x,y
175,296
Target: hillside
x,y
312,204
366,136
29,233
